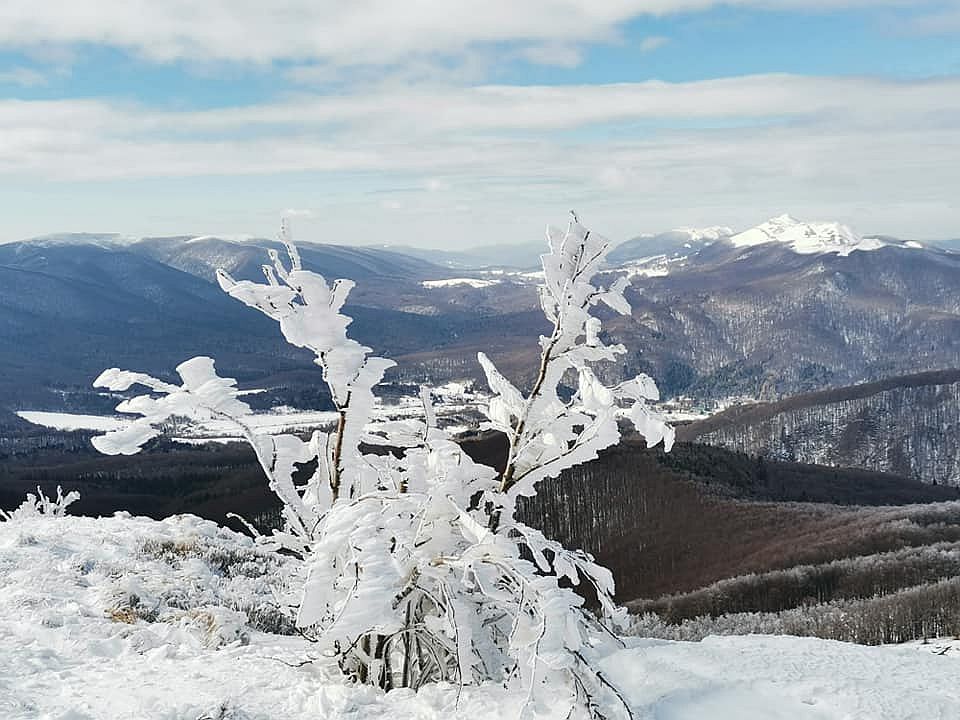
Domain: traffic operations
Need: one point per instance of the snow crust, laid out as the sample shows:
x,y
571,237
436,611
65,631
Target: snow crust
x,y
70,651
807,238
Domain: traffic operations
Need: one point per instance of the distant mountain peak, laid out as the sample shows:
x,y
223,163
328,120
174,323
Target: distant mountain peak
x,y
672,243
807,238
786,219
80,238
221,238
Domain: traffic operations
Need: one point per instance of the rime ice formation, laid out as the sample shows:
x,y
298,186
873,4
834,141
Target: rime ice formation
x,y
413,567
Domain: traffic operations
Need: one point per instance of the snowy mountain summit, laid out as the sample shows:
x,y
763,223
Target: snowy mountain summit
x,y
807,238
705,234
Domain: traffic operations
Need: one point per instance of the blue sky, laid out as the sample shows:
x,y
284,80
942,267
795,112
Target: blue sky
x,y
461,123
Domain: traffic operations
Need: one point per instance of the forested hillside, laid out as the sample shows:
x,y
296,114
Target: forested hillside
x,y
678,522
909,425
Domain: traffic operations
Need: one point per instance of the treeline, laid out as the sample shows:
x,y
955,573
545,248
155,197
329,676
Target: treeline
x,y
18,438
896,425
854,578
927,611
171,478
761,412
41,440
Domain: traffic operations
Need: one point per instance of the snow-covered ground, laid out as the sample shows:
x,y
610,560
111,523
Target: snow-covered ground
x,y
209,431
127,617
939,646
454,282
456,400
73,421
656,266
456,404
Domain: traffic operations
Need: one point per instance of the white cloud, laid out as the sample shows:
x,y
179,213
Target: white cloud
x,y
558,55
297,213
22,76
487,129
417,111
653,42
878,154
435,185
341,33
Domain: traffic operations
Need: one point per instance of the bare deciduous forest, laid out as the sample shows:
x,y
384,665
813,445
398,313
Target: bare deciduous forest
x,y
706,539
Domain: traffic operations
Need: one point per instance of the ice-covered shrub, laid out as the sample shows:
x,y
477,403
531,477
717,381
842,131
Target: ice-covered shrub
x,y
413,566
41,505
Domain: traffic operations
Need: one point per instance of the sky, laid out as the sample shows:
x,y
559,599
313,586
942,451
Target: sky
x,y
450,124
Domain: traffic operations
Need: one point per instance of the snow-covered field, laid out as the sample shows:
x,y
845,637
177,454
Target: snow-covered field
x,y
454,282
456,399
209,431
73,421
127,617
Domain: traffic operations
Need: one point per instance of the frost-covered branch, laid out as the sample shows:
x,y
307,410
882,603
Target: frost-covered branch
x,y
41,505
309,313
413,567
547,435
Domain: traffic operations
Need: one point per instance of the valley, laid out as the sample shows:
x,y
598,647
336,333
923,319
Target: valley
x,y
814,474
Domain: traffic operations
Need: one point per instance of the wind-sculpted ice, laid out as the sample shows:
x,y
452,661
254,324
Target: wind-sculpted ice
x,y
412,566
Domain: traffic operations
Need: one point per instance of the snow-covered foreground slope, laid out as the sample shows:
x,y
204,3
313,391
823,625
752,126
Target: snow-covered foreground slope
x,y
127,617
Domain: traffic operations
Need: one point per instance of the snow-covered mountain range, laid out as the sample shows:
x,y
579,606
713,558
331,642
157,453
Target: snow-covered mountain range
x,y
784,307
800,236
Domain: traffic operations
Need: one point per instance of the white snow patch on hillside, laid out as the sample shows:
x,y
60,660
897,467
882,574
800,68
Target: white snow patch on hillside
x,y
71,421
213,430
74,645
806,238
234,238
654,266
515,276
648,271
456,399
454,282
